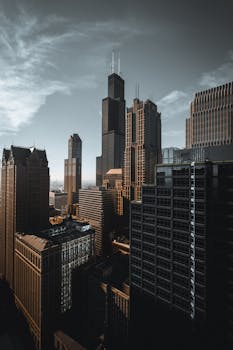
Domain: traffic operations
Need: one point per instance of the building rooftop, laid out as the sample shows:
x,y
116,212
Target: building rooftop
x,y
57,233
114,172
35,242
22,153
67,230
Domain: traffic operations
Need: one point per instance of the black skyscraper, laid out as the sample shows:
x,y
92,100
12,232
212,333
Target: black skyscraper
x,y
113,126
181,258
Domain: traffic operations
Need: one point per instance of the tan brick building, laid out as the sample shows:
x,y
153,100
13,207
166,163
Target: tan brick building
x,y
142,146
211,118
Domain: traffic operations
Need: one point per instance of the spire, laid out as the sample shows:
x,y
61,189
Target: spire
x,y
113,61
119,63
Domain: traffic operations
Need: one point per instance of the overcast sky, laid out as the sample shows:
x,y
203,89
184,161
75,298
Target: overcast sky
x,y
55,56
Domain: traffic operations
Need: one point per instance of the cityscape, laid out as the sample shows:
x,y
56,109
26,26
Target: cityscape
x,y
140,254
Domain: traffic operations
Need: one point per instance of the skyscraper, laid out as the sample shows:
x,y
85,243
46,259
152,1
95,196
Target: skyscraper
x,y
98,206
113,126
73,168
142,146
181,255
211,118
24,200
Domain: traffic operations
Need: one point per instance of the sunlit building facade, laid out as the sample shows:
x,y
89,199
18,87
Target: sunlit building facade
x,y
211,118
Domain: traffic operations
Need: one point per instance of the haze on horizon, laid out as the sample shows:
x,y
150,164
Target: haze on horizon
x,y
56,56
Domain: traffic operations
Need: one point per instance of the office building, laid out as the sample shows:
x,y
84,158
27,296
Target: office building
x,y
73,169
181,255
44,264
168,155
142,146
58,200
117,316
24,200
113,127
201,154
103,302
211,118
114,180
99,171
98,206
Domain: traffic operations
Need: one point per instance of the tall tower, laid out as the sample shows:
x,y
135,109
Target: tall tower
x,y
142,148
113,127
73,168
24,200
211,118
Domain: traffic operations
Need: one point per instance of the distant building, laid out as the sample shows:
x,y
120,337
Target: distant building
x,y
73,169
97,206
114,180
24,200
168,155
113,128
181,256
142,148
201,154
44,264
58,199
211,118
99,171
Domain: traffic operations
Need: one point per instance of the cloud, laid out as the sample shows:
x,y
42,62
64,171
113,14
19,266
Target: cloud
x,y
39,55
175,105
25,63
172,97
221,75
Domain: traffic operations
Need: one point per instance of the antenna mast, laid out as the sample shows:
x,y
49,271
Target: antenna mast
x,y
113,61
119,62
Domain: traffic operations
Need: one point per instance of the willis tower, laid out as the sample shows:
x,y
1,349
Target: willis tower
x,y
113,128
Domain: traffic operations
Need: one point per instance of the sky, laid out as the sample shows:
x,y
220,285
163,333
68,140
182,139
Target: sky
x,y
55,56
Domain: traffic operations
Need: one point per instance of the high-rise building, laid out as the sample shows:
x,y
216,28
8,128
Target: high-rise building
x,y
73,169
44,264
181,255
113,180
142,146
201,154
58,200
24,200
168,155
211,117
98,206
113,127
99,171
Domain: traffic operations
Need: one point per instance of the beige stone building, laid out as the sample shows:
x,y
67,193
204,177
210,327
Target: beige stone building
x,y
142,146
211,118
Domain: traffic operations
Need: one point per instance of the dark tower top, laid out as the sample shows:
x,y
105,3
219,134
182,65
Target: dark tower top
x,y
116,88
75,147
113,125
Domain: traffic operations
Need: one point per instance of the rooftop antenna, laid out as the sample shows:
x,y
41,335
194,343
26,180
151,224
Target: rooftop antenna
x,y
113,61
119,63
137,90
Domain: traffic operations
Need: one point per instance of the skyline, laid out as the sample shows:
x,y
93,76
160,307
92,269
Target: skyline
x,y
56,59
